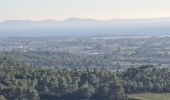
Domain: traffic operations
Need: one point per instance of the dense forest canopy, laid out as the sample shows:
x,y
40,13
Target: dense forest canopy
x,y
21,81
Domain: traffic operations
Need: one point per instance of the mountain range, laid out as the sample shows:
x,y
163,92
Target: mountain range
x,y
83,27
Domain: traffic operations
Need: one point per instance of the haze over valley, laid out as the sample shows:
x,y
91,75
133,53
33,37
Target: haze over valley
x,y
85,27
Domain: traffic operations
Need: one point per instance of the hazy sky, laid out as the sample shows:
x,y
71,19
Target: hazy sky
x,y
97,9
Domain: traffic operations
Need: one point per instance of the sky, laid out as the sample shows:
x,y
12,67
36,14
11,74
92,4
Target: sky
x,y
96,9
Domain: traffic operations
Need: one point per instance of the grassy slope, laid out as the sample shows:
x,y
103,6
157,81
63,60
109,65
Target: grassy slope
x,y
151,96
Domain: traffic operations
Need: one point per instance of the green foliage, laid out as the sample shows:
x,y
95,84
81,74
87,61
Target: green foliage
x,y
145,79
51,84
20,81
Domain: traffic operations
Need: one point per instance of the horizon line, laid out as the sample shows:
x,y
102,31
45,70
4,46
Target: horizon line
x,y
69,18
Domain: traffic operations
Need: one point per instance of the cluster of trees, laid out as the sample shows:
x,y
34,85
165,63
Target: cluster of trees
x,y
21,81
146,79
47,84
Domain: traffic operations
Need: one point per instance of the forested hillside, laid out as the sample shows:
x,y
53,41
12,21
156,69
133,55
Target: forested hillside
x,y
20,81
30,83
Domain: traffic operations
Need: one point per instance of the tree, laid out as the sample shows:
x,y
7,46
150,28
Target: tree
x,y
103,91
63,86
117,92
87,90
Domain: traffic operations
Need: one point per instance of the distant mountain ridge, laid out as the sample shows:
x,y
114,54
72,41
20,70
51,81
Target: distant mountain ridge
x,y
77,26
74,19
